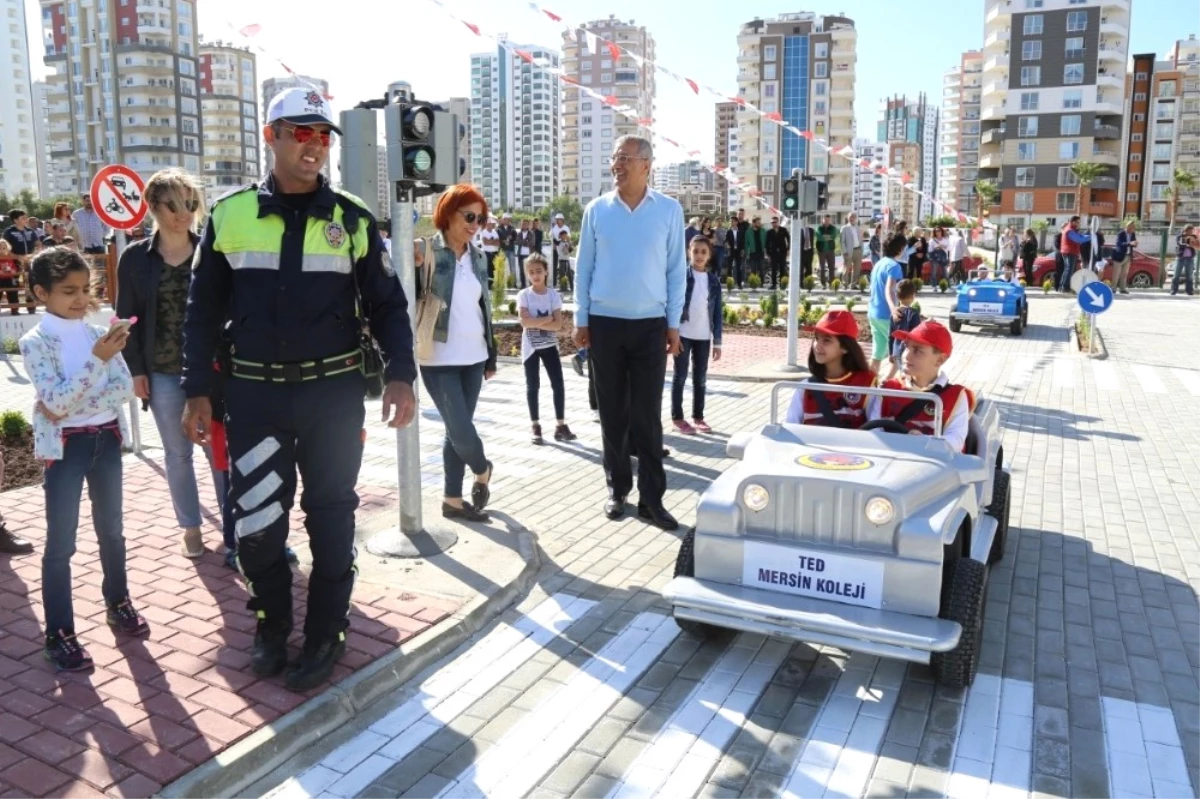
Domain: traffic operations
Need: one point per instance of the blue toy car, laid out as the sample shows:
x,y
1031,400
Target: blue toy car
x,y
991,302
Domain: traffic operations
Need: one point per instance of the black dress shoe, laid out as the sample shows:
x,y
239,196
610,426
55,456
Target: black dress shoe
x,y
657,516
480,493
467,512
269,656
614,507
13,545
316,663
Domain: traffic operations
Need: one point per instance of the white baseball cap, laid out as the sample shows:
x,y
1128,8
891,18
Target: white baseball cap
x,y
301,107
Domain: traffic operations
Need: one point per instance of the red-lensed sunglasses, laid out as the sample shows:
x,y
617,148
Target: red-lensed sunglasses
x,y
303,134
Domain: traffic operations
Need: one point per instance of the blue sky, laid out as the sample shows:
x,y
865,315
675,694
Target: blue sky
x,y
362,45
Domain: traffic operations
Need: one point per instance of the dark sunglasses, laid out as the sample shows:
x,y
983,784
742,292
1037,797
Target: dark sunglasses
x,y
471,217
190,205
303,134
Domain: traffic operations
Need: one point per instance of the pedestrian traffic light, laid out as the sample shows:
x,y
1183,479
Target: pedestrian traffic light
x,y
449,165
411,156
822,195
791,194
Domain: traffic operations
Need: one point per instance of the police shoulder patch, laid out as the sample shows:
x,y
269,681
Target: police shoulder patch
x,y
237,191
388,268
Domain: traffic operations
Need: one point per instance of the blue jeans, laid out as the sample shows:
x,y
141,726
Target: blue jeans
x,y
1070,262
1183,268
698,351
166,404
94,456
455,392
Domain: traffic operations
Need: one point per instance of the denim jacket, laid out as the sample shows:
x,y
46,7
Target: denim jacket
x,y
714,302
444,264
82,392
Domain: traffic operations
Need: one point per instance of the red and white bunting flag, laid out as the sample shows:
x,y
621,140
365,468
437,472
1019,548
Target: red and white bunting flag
x,y
250,30
808,134
846,151
613,50
865,163
525,55
611,100
568,79
637,59
774,116
474,28
645,122
906,178
693,153
671,142
593,42
693,84
548,13
739,100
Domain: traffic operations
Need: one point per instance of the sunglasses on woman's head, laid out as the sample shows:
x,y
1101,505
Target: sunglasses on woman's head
x,y
470,217
303,134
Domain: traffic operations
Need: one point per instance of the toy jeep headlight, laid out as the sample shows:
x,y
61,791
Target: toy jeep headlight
x,y
971,293
755,496
880,510
1003,293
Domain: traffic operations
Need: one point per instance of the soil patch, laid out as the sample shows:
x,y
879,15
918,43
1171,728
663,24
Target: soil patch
x,y
21,469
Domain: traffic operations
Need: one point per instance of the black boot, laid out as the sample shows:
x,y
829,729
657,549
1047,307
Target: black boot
x,y
12,544
269,656
316,662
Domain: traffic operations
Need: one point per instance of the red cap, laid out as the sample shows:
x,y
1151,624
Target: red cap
x,y
838,323
929,333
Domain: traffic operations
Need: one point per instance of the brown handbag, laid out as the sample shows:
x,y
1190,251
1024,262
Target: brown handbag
x,y
429,305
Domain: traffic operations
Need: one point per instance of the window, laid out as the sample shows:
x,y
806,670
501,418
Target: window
x,y
1074,47
1025,175
585,120
821,69
1134,177
1136,137
1068,150
1027,126
1164,130
1065,201
606,77
769,52
1073,98
1033,3
606,63
1069,125
1140,77
768,72
769,90
1161,172
1029,101
586,134
1027,151
820,89
1135,158
1132,196
1162,152
1031,50
1072,74
1066,177
1076,21
1139,97
821,50
1023,201
1166,88
1033,25
1031,76
819,107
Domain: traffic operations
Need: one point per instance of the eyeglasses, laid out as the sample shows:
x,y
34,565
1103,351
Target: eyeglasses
x,y
191,206
303,134
470,217
621,158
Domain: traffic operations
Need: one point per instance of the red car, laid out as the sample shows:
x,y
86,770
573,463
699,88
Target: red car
x,y
969,262
1143,269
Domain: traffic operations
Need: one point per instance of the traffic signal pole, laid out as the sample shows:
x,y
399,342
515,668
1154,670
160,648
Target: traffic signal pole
x,y
794,280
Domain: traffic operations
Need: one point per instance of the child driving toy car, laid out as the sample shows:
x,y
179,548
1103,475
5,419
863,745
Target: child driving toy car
x,y
928,347
836,358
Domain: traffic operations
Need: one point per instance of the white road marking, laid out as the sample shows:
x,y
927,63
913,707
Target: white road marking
x,y
1145,756
1190,380
993,755
1148,377
1022,373
354,765
532,748
708,720
1105,376
1063,373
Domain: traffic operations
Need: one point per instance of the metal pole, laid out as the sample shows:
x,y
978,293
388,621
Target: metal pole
x,y
135,424
793,306
408,439
1092,336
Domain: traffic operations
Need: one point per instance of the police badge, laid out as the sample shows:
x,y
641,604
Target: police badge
x,y
335,234
853,399
930,409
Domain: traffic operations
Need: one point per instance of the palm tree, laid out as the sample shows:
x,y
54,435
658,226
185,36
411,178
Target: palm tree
x,y
1085,172
988,191
1182,182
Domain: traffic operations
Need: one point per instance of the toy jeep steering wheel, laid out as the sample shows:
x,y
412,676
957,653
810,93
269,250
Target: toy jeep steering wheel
x,y
886,425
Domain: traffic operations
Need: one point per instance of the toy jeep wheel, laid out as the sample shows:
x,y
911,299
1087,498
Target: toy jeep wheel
x,y
963,604
685,566
1016,326
955,325
999,510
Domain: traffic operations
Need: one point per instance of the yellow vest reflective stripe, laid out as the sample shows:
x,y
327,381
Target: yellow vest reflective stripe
x,y
248,242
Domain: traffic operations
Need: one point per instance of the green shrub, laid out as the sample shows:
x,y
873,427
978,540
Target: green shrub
x,y
11,347
863,282
917,307
809,282
563,283
729,283
512,307
731,315
919,283
783,282
770,305
512,281
943,285
805,304
768,320
754,282
1047,285
850,303
498,295
836,284
13,424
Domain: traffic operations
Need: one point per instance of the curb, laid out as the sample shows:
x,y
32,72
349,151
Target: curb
x,y
264,750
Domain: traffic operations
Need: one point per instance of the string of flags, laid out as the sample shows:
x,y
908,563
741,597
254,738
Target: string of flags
x,y
249,32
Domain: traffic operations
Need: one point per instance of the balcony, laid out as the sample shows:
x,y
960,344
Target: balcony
x,y
997,39
1109,80
1116,26
1099,208
1107,132
1109,157
841,94
1104,183
995,10
993,136
996,62
1109,103
990,161
993,110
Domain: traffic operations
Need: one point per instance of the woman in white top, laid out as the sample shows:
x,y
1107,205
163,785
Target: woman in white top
x,y
489,240
463,353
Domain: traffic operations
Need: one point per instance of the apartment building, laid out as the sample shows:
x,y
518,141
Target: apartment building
x,y
801,66
1053,84
1163,104
670,177
228,116
959,140
273,86
870,188
19,155
41,141
589,126
724,123
732,159
907,121
514,122
124,87
696,200
904,157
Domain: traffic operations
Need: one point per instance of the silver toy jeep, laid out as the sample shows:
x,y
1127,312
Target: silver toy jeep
x,y
868,540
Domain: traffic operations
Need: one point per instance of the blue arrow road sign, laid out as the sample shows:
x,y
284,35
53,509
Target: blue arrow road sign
x,y
416,216
1095,297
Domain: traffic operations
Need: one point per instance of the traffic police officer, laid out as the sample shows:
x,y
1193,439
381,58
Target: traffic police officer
x,y
283,267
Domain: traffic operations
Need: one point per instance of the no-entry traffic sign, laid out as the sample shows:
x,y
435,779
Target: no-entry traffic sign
x,y
118,197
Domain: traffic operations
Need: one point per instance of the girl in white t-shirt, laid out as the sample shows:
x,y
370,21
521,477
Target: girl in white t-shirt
x,y
541,310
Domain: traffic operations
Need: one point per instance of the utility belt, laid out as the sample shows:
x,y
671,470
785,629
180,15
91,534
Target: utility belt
x,y
299,371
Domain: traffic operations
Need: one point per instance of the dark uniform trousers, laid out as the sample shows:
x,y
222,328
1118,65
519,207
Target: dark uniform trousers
x,y
628,358
274,429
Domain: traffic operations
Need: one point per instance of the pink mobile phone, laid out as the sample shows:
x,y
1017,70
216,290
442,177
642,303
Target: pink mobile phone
x,y
117,324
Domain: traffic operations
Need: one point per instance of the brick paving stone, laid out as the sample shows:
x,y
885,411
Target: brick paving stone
x,y
98,769
33,777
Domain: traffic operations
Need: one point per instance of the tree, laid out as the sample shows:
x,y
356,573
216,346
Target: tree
x,y
988,191
945,220
1085,172
569,207
1182,182
30,204
1040,227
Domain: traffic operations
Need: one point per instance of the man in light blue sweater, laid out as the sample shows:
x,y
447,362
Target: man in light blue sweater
x,y
630,277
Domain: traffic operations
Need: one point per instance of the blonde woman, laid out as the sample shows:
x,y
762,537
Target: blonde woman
x,y
153,278
62,215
